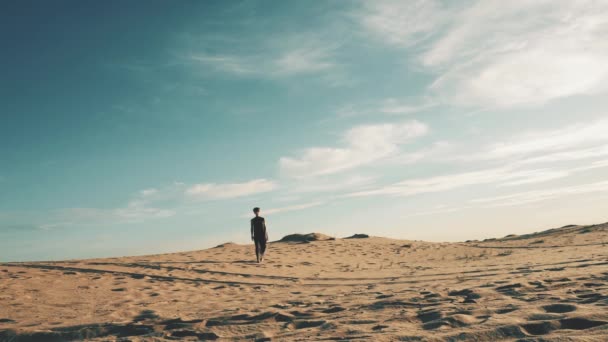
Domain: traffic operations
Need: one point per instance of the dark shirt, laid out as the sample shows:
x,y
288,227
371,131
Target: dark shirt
x,y
258,228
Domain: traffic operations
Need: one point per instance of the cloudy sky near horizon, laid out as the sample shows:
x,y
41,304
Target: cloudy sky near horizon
x,y
138,128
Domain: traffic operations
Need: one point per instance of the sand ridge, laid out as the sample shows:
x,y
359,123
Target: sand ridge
x,y
548,286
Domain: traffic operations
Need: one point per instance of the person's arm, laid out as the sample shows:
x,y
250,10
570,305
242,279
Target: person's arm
x,y
265,230
251,230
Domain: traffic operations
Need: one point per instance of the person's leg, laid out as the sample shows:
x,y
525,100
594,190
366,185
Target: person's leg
x,y
257,249
262,249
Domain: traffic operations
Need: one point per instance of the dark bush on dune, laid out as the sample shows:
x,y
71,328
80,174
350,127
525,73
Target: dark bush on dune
x,y
306,237
358,236
226,244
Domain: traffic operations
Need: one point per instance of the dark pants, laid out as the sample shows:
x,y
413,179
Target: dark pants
x,y
260,247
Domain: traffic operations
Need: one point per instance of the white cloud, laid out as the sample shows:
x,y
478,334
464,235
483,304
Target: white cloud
x,y
286,63
158,203
227,63
389,106
139,210
148,192
437,151
577,135
329,184
570,155
584,142
135,211
542,195
501,54
394,106
303,60
403,22
288,56
503,176
363,145
230,190
522,52
290,208
536,176
440,209
147,204
571,143
437,183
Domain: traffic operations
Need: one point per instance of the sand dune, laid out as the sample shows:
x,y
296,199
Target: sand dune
x,y
548,286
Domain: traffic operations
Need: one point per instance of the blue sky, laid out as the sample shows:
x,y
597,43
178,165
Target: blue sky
x,y
138,128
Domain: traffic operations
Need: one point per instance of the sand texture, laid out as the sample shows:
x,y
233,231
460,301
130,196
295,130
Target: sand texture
x,y
549,286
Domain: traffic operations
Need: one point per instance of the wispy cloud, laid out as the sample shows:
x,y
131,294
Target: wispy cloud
x,y
388,106
587,138
304,60
542,195
556,150
298,55
158,203
394,106
438,151
403,23
570,155
19,227
331,184
522,53
502,176
416,186
148,192
439,209
227,63
273,211
231,190
362,145
147,204
501,54
519,198
135,211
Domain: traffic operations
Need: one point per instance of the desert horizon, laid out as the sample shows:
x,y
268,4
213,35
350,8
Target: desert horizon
x,y
295,236
545,286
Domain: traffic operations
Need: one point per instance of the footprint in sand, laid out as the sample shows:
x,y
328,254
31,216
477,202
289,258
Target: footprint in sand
x,y
202,336
507,309
543,328
334,309
307,324
559,308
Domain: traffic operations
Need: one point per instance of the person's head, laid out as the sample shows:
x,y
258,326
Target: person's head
x,y
256,211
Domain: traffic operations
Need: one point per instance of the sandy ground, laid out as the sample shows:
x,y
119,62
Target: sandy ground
x,y
550,286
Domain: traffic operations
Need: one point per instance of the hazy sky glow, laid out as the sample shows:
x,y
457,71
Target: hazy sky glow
x,y
145,127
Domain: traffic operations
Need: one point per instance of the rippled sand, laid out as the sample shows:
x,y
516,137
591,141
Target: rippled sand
x,y
550,286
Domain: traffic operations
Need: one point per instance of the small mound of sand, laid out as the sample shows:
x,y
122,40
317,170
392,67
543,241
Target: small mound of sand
x,y
226,244
306,237
358,236
569,229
